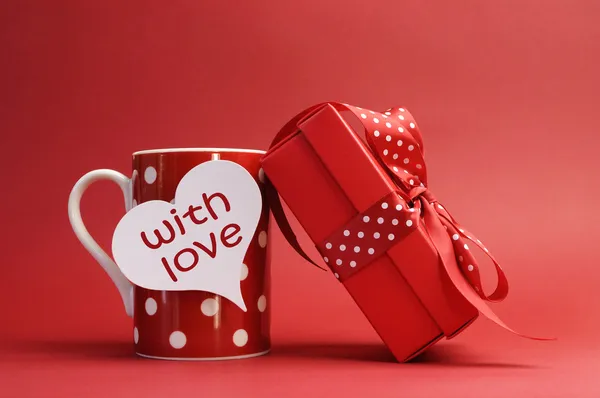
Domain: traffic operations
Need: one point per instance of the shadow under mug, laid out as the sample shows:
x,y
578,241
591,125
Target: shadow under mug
x,y
192,325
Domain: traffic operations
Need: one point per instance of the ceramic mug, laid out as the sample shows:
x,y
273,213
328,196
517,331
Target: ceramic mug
x,y
186,324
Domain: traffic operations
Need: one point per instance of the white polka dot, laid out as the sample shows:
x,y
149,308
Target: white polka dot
x,y
384,205
356,249
346,233
411,182
209,307
394,222
399,143
388,138
388,125
401,109
400,117
240,337
353,264
412,125
400,130
371,250
363,115
398,207
134,203
406,160
328,245
371,112
262,239
411,147
380,220
366,219
375,120
173,201
326,259
455,237
391,236
244,274
388,113
361,234
419,166
376,133
385,152
466,247
151,306
470,267
395,168
342,247
409,223
177,340
150,175
262,303
338,261
261,175
376,235
406,171
460,258
136,335
395,156
336,275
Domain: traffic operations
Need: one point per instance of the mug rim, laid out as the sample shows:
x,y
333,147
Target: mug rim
x,y
212,150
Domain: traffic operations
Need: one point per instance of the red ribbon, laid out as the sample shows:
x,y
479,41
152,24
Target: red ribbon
x,y
396,142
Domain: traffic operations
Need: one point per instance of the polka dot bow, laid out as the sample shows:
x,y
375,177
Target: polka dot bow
x,y
395,141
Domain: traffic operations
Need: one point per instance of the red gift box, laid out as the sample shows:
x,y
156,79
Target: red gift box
x,y
366,206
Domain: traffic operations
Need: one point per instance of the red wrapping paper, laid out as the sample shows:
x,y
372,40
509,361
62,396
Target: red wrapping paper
x,y
398,252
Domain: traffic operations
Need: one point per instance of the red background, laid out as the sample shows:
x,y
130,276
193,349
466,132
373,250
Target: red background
x,y
505,93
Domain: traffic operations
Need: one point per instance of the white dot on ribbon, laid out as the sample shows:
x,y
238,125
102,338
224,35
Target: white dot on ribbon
x,y
338,261
336,275
371,250
356,249
401,109
353,263
466,247
385,152
394,222
376,133
342,247
400,130
366,219
412,125
375,120
455,237
391,236
346,233
360,234
388,125
395,168
406,160
398,207
328,245
470,267
384,205
395,156
376,235
409,223
380,220
388,113
388,138
326,259
363,115
400,117
411,147
399,143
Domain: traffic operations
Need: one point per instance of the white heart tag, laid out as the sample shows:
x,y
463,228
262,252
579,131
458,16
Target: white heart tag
x,y
198,243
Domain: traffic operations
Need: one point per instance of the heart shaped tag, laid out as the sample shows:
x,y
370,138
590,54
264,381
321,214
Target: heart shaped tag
x,y
198,243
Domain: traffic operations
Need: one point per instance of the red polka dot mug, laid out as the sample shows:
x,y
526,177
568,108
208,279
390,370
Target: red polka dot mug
x,y
186,325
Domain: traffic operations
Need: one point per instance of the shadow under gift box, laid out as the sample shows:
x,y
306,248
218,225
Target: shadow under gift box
x,y
327,176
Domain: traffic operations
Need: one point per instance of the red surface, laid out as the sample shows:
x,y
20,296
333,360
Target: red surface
x,y
505,94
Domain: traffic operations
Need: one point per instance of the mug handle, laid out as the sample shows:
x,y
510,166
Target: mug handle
x,y
124,286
